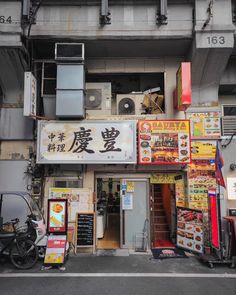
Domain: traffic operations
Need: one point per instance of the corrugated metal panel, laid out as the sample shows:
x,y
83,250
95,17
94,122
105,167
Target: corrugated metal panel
x,y
14,126
228,125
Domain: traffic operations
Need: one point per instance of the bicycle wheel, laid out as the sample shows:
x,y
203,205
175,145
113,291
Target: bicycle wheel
x,y
24,254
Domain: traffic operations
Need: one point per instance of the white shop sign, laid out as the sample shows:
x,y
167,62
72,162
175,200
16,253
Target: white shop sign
x,y
87,142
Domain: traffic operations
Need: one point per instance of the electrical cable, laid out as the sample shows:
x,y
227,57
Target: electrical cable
x,y
32,17
224,145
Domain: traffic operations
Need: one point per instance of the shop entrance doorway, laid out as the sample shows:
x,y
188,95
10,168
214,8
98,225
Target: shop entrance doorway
x,y
108,213
122,212
163,214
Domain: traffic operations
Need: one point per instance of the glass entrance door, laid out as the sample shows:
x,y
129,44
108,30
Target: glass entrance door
x,y
134,213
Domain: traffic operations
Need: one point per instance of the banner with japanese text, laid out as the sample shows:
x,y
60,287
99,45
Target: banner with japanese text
x,y
203,149
87,142
164,142
205,125
201,178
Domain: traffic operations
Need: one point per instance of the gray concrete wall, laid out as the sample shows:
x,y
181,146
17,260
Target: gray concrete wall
x,y
211,49
13,176
126,21
10,29
14,126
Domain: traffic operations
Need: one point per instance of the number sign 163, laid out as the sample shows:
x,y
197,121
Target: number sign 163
x,y
216,40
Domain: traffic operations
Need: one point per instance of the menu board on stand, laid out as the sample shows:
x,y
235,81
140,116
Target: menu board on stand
x,y
55,252
85,224
57,229
190,229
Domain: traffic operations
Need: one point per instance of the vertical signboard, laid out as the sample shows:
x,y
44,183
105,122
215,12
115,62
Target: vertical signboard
x,y
183,86
201,177
214,219
30,95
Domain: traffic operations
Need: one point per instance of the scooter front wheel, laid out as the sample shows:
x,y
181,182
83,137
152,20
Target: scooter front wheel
x,y
24,254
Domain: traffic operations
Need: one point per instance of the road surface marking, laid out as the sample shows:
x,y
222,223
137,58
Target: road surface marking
x,y
119,275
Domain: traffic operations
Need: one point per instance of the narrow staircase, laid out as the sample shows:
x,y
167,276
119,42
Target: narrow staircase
x,y
160,226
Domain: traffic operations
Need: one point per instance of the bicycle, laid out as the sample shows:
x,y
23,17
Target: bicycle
x,y
18,246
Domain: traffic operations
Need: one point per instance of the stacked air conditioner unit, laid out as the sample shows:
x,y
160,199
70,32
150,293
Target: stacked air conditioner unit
x,y
98,99
70,86
129,104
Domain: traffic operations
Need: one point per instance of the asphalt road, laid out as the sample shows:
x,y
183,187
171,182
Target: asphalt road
x,y
134,274
117,286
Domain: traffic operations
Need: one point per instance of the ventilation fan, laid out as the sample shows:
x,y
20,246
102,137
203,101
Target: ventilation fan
x,y
129,104
126,106
93,99
98,99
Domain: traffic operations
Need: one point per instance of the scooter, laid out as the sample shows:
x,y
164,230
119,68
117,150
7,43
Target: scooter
x,y
34,220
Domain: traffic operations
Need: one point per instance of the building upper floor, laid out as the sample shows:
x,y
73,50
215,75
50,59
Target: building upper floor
x,y
133,45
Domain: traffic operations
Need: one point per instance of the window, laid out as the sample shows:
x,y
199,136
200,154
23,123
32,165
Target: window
x,y
68,183
229,110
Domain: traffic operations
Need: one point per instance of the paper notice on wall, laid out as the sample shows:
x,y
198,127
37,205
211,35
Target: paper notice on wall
x,y
59,193
127,201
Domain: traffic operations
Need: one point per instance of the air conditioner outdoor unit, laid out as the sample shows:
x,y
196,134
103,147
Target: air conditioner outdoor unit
x,y
69,52
129,104
98,99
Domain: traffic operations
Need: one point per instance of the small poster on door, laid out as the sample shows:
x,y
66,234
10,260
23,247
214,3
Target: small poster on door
x,y
127,201
130,186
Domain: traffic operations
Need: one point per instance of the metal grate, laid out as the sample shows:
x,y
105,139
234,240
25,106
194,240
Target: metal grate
x,y
228,125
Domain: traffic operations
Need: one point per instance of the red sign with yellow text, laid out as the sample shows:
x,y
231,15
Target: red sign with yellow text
x,y
164,142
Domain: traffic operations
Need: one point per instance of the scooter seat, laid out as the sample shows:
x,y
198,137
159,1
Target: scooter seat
x,y
6,235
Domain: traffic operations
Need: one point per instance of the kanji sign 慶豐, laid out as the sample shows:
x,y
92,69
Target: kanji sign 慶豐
x,y
87,142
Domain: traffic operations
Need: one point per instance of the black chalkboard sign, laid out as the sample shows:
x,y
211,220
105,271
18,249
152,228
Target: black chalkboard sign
x,y
85,229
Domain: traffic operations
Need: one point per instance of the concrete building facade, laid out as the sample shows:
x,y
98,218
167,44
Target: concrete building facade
x,y
135,46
